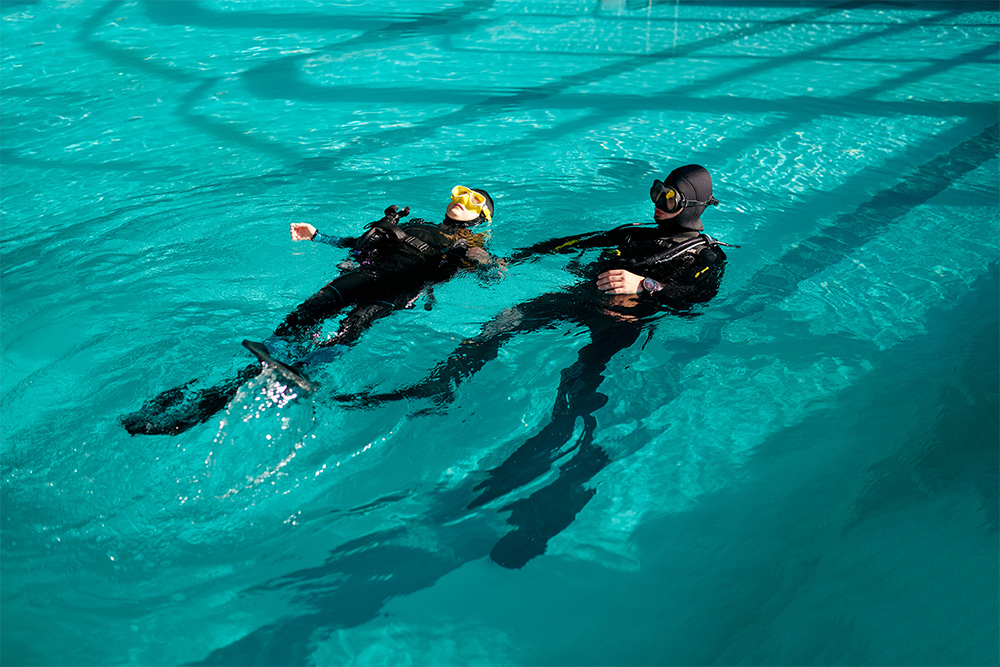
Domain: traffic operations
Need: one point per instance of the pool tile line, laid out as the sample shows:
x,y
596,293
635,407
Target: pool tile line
x,y
792,110
469,112
537,94
291,155
848,232
224,130
536,97
529,98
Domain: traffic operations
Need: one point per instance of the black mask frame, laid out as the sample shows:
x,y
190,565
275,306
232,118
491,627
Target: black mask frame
x,y
659,191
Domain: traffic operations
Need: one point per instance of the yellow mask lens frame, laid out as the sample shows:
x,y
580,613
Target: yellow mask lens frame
x,y
471,200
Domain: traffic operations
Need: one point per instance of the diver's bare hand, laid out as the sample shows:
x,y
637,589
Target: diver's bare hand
x,y
302,231
619,281
478,255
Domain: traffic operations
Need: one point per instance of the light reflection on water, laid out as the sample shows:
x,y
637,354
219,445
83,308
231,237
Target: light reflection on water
x,y
802,474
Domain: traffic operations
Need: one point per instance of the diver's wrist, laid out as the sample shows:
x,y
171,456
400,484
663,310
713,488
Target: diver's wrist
x,y
650,285
329,239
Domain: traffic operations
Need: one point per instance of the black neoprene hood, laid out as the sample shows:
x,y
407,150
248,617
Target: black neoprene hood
x,y
695,183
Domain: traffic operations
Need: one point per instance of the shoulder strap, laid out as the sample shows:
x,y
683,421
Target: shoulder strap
x,y
679,249
409,240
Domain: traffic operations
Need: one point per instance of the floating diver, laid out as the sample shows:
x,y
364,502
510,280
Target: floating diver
x,y
394,264
642,270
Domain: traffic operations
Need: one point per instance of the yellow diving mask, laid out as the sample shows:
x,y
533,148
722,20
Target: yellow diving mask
x,y
471,201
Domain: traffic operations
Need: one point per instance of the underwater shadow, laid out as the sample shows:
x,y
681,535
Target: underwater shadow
x,y
192,13
363,574
347,590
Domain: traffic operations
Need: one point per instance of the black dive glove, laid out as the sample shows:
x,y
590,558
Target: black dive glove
x,y
393,214
375,232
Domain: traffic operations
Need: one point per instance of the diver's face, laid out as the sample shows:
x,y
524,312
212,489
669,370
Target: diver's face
x,y
660,214
456,211
667,199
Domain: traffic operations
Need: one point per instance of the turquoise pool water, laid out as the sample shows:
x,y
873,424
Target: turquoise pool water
x,y
805,474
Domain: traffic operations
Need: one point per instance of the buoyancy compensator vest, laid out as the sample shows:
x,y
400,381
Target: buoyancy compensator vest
x,y
388,245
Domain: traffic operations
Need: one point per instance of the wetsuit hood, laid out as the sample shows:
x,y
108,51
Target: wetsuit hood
x,y
695,183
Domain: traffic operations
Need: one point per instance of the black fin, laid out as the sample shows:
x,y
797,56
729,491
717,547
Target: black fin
x,y
176,410
259,350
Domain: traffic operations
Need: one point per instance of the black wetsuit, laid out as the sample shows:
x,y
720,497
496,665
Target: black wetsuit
x,y
391,274
395,263
687,264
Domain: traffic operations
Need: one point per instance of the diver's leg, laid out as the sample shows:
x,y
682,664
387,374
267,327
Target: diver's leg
x,y
549,510
360,320
474,353
176,410
289,339
353,325
577,396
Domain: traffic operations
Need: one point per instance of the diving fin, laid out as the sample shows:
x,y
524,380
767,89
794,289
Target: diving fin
x,y
260,351
176,410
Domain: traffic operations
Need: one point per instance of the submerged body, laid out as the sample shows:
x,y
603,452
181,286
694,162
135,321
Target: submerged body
x,y
394,264
641,272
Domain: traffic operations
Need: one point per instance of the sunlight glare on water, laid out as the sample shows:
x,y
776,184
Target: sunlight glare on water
x,y
804,473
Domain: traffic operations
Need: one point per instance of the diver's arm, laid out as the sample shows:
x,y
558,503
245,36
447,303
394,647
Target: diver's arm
x,y
566,244
478,255
688,279
335,241
692,278
488,268
620,281
563,244
469,253
303,231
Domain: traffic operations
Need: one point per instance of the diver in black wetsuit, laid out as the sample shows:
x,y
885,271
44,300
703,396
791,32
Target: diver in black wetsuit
x,y
394,263
641,271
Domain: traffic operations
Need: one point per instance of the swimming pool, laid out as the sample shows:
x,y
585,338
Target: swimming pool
x,y
804,474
